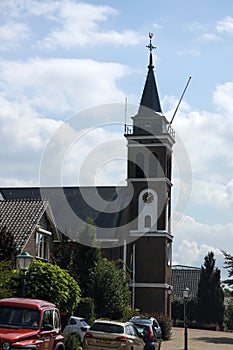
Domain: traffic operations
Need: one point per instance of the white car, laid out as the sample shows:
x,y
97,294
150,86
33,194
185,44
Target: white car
x,y
76,325
112,335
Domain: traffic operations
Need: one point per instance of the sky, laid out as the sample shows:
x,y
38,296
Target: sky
x,y
81,61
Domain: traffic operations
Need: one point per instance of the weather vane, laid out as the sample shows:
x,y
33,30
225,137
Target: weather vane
x,y
150,46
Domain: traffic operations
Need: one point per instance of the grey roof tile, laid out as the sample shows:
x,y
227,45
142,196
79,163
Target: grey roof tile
x,y
20,216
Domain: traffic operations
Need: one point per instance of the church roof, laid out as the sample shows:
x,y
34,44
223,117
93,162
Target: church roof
x,y
72,205
150,96
20,216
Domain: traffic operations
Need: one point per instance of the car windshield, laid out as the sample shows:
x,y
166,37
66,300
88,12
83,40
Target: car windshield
x,y
141,329
19,317
107,327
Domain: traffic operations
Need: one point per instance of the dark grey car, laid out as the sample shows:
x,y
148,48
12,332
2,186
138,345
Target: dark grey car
x,y
150,330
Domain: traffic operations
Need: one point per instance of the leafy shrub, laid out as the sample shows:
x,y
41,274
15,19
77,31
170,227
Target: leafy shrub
x,y
86,309
129,313
72,342
108,286
166,326
228,316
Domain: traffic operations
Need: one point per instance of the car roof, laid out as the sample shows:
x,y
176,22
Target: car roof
x,y
27,302
112,322
78,318
139,320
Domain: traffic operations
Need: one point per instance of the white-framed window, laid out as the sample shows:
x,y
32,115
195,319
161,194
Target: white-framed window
x,y
42,245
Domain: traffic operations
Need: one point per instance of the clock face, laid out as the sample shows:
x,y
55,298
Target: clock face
x,y
147,197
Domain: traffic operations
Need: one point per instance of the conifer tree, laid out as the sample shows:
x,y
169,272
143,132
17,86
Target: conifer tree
x,y
229,266
210,293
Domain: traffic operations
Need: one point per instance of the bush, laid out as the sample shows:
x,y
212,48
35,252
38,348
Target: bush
x,y
166,326
228,316
108,286
72,342
85,309
129,313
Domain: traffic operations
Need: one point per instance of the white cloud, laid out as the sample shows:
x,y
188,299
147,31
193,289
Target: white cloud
x,y
213,194
73,23
11,33
23,136
207,136
95,157
209,37
62,85
223,97
226,25
195,53
193,240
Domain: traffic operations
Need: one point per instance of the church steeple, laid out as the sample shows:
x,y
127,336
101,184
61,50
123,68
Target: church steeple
x,y
150,96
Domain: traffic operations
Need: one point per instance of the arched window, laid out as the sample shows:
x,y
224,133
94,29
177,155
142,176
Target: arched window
x,y
140,165
147,221
169,168
153,165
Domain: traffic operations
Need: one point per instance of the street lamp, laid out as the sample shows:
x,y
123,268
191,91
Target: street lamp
x,y
24,261
185,297
169,309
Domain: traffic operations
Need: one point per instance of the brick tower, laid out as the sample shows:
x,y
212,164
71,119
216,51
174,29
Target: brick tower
x,y
150,140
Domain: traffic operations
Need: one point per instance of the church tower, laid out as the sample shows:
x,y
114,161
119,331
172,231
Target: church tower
x,y
150,140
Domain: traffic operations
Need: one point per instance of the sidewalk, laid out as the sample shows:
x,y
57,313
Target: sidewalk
x,y
199,340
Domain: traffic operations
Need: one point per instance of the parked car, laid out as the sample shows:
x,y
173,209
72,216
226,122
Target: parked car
x,y
29,324
150,330
104,334
76,325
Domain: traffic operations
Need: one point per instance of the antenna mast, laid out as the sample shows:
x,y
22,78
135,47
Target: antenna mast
x,y
180,99
126,102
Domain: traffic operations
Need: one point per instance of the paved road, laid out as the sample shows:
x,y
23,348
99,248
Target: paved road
x,y
199,340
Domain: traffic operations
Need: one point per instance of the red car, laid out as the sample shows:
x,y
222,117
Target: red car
x,y
29,324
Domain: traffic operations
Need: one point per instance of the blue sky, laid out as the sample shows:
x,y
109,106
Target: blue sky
x,y
59,58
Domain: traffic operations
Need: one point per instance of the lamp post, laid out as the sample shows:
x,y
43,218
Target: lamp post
x,y
185,297
169,294
24,260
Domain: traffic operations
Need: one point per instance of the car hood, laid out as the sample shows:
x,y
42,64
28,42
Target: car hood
x,y
11,335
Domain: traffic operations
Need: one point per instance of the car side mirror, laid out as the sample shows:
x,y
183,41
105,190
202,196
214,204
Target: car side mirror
x,y
47,327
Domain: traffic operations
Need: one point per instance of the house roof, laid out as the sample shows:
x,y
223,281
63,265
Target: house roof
x,y
20,216
185,267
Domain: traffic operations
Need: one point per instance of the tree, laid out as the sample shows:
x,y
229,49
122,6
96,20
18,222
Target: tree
x,y
62,253
49,282
8,249
210,293
229,266
7,285
8,254
108,286
85,256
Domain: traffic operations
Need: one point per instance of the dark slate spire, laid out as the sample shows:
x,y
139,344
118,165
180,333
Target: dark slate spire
x,y
150,96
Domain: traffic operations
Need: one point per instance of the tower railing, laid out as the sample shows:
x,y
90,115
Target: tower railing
x,y
130,129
